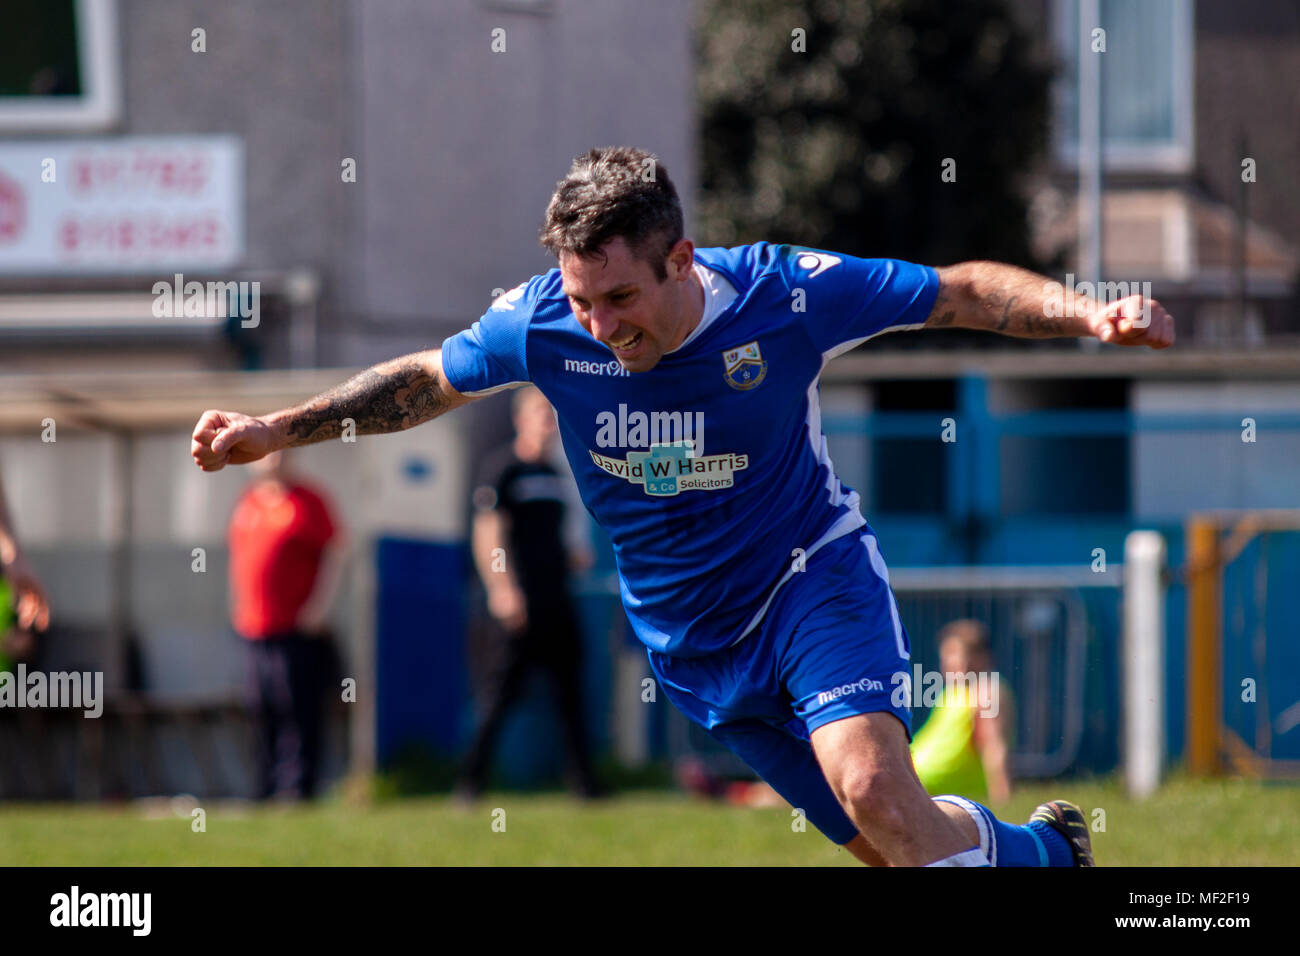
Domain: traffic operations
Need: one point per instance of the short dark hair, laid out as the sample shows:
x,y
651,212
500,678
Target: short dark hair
x,y
610,192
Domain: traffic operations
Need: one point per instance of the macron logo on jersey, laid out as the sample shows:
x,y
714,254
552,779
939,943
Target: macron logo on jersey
x,y
596,368
844,690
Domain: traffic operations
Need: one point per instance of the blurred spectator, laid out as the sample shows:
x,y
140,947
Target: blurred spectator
x,y
962,748
28,596
285,558
519,549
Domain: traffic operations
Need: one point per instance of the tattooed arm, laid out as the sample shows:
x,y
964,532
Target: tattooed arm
x,y
389,397
994,297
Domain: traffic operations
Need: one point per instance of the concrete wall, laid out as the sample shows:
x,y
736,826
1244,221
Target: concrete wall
x,y
277,74
1178,472
457,146
461,146
63,496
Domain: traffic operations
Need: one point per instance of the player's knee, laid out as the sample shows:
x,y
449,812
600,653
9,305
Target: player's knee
x,y
869,793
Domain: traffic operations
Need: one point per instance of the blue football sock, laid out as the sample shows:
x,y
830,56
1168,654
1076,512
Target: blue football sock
x,y
1006,844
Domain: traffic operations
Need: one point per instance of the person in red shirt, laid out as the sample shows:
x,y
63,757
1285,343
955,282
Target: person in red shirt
x,y
285,551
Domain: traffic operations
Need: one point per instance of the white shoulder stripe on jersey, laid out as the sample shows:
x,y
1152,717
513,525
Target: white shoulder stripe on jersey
x,y
838,530
878,565
847,523
852,519
813,421
491,391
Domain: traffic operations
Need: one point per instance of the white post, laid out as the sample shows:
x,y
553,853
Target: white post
x,y
1144,661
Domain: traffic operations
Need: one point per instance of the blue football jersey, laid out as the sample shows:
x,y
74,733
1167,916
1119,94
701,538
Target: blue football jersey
x,y
709,472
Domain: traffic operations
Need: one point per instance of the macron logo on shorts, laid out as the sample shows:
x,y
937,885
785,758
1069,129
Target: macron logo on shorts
x,y
844,690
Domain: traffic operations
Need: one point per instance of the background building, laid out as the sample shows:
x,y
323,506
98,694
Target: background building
x,y
380,170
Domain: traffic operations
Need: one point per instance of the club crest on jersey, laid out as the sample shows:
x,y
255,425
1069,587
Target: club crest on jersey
x,y
744,367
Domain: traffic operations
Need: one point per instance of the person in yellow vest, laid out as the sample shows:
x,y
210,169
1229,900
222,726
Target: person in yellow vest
x,y
963,746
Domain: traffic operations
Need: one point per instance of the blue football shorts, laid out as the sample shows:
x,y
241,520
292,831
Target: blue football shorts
x,y
830,646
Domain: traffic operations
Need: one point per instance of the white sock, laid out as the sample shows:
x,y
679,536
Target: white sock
x,y
988,840
971,857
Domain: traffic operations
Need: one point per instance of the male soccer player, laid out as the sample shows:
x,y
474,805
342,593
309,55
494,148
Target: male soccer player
x,y
686,386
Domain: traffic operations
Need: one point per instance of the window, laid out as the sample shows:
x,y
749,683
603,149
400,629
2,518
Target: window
x,y
909,472
1063,466
1146,83
58,65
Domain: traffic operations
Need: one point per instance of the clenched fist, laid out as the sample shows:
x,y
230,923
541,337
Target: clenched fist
x,y
1136,320
229,438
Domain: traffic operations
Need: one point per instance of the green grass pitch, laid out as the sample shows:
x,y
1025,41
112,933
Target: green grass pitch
x,y
1190,823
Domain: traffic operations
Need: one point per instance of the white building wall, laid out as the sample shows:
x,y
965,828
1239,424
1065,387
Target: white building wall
x,y
62,495
1175,472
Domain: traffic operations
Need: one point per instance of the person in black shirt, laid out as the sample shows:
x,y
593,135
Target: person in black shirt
x,y
519,549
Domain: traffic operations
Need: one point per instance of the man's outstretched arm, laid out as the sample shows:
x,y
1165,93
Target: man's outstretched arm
x,y
390,397
994,297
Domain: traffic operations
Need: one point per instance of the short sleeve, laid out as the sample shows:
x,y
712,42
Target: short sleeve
x,y
846,300
491,354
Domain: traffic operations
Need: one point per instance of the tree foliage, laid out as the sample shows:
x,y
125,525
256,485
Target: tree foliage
x,y
842,146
